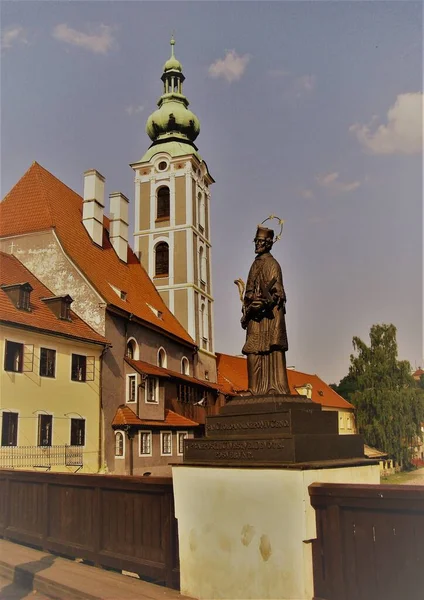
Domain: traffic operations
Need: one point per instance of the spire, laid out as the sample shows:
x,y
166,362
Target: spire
x,y
172,119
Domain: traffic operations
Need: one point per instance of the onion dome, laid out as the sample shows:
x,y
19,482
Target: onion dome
x,y
172,119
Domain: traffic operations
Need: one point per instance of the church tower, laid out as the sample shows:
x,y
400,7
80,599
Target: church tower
x,y
172,222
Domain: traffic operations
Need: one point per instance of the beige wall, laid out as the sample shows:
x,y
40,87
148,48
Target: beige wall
x,y
181,307
29,394
180,257
144,206
180,201
143,245
346,420
164,294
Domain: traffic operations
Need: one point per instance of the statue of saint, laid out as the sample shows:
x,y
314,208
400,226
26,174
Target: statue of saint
x,y
263,318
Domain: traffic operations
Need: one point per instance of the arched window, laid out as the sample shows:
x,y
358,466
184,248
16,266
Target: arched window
x,y
202,321
162,362
119,444
201,264
185,366
131,350
201,212
162,259
163,203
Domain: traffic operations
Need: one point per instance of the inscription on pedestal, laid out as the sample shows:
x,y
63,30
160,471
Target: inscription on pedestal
x,y
237,426
250,450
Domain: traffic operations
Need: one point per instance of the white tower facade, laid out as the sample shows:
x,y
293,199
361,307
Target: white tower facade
x,y
172,216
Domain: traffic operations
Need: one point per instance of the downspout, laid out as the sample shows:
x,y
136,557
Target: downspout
x,y
102,417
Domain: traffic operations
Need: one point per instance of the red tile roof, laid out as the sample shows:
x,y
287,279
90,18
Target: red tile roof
x,y
148,369
232,378
40,201
418,373
40,316
125,416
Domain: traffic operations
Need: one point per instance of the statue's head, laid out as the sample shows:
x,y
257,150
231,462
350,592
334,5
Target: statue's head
x,y
264,239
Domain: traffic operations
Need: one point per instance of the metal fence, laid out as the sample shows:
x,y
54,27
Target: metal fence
x,y
40,456
117,522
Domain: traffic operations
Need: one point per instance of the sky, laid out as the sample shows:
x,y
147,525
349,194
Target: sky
x,y
311,111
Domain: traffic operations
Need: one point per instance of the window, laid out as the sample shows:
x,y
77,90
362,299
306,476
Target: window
x,y
185,366
119,444
45,430
145,440
190,394
161,360
201,212
131,350
65,308
349,421
181,436
47,362
163,203
14,357
162,259
201,265
166,443
162,166
19,294
152,391
24,298
77,432
82,368
131,388
9,429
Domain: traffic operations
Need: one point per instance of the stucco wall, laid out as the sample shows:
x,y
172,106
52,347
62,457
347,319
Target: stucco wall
x,y
29,394
42,254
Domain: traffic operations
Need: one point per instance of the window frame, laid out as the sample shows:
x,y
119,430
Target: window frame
x,y
179,434
81,420
185,361
54,363
15,428
146,390
162,434
90,363
7,352
120,456
49,430
162,358
140,442
131,377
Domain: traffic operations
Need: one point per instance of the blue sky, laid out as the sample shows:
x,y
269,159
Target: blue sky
x,y
309,110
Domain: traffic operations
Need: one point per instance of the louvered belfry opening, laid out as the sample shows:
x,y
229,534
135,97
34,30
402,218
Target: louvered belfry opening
x,y
162,259
163,203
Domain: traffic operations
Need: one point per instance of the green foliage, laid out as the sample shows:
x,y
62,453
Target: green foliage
x,y
346,388
421,382
389,405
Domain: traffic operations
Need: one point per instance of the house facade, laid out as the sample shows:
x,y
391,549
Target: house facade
x,y
50,377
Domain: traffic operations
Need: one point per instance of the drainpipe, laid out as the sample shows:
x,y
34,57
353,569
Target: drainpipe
x,y
102,417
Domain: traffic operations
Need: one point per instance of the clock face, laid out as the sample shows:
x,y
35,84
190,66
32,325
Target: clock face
x,y
162,166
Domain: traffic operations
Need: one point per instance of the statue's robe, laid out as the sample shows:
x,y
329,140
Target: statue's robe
x,y
266,336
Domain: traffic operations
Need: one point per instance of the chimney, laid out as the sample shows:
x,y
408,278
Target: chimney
x,y
92,213
118,232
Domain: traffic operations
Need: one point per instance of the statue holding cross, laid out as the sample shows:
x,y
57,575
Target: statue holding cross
x,y
264,320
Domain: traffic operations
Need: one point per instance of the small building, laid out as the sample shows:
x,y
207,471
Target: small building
x,y
232,378
50,377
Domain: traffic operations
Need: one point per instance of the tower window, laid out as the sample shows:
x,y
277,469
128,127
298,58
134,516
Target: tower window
x,y
162,166
163,203
162,259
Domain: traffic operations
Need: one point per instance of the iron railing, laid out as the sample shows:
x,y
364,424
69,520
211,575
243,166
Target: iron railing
x,y
40,456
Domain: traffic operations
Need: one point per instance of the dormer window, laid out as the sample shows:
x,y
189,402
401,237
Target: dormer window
x,y
19,294
60,306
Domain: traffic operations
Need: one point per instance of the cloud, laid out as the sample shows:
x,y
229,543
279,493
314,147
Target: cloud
x,y
99,40
13,35
331,182
403,132
231,67
133,110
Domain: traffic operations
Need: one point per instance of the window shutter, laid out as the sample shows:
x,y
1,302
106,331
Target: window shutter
x,y
90,368
28,360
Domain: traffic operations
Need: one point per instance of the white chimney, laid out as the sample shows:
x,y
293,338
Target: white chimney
x,y
92,213
118,232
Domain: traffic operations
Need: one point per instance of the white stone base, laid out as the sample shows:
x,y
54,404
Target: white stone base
x,y
243,533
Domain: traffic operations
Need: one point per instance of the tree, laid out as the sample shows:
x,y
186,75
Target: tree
x,y
389,405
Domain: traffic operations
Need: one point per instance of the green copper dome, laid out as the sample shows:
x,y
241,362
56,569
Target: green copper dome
x,y
172,119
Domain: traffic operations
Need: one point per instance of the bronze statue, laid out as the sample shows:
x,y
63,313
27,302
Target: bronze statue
x,y
263,318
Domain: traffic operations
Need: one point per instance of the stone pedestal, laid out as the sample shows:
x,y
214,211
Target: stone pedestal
x,y
245,532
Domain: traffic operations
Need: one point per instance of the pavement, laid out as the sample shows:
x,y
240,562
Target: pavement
x,y
28,573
